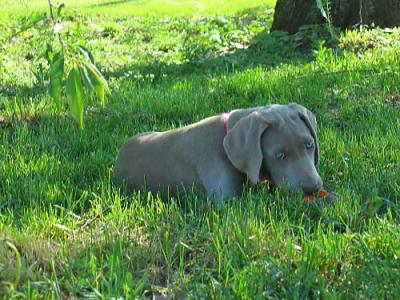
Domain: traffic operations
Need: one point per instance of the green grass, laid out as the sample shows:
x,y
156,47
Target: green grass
x,y
79,236
118,8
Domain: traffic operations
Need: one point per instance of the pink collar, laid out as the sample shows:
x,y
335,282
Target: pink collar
x,y
226,116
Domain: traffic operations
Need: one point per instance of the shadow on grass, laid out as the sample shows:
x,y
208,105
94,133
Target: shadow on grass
x,y
24,92
267,50
199,57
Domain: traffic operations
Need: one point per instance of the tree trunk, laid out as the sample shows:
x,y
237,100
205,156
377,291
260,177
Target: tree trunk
x,y
290,15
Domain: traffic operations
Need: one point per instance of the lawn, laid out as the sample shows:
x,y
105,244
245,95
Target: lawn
x,y
125,8
168,64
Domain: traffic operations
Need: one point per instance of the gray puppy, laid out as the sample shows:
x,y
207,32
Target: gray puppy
x,y
218,153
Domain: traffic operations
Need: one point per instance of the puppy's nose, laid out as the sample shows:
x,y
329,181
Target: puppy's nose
x,y
313,187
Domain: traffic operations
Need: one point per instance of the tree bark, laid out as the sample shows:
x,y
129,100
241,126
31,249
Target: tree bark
x,y
290,15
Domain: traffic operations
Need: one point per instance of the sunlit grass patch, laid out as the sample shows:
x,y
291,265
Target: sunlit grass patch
x,y
126,8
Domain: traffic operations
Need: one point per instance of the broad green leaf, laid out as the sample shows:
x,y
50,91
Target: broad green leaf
x,y
56,76
98,81
75,95
101,94
321,8
86,53
86,77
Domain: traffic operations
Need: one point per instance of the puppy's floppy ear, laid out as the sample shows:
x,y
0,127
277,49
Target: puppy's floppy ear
x,y
309,119
242,145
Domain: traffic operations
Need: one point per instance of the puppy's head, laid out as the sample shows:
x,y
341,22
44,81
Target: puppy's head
x,y
282,139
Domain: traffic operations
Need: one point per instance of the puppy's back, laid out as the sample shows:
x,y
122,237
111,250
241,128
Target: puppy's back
x,y
150,160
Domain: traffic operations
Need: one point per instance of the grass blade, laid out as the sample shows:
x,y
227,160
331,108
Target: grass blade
x,y
321,8
18,262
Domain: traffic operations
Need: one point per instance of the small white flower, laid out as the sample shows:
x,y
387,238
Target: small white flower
x,y
216,38
58,27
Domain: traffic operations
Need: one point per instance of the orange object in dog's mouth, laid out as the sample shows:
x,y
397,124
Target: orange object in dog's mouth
x,y
320,195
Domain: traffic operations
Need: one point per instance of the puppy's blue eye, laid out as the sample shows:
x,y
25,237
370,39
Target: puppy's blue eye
x,y
310,145
280,155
